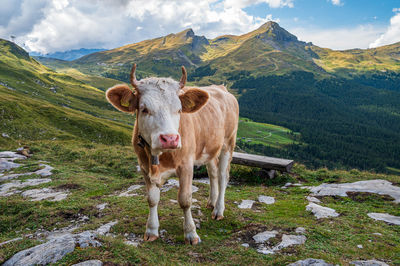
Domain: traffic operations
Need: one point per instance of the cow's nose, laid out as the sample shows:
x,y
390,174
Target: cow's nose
x,y
169,141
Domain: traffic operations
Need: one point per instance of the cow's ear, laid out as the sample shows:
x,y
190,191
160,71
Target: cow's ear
x,y
193,99
122,98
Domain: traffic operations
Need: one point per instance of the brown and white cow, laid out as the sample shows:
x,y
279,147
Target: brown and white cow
x,y
176,128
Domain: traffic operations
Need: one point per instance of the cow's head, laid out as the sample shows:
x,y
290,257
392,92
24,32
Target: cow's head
x,y
159,103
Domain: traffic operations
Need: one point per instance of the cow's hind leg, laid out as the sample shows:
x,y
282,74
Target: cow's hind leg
x,y
212,170
153,197
185,174
223,177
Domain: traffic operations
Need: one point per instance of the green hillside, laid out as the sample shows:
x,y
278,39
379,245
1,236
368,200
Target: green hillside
x,y
38,103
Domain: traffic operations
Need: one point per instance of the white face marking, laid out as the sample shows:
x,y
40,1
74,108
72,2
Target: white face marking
x,y
159,110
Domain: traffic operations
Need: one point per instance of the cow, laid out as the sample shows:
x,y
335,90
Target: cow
x,y
176,128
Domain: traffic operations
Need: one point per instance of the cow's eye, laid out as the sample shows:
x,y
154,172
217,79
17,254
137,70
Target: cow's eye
x,y
145,111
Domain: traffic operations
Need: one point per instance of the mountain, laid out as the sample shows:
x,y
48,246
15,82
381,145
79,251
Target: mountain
x,y
344,104
69,55
37,103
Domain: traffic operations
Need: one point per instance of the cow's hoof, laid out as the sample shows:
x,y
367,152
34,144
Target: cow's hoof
x,y
210,206
217,217
149,238
192,238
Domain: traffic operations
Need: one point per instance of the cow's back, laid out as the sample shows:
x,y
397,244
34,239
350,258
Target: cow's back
x,y
213,127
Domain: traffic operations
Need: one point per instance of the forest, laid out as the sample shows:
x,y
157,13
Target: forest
x,y
344,123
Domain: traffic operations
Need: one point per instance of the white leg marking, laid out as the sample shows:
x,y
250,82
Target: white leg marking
x,y
152,225
212,170
189,228
223,178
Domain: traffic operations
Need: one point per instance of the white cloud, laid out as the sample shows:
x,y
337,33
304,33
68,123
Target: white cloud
x,y
336,2
391,35
396,9
340,38
58,25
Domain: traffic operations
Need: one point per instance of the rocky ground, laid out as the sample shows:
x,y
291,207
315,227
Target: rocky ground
x,y
69,208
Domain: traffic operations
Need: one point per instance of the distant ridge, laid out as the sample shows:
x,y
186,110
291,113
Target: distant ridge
x,y
69,55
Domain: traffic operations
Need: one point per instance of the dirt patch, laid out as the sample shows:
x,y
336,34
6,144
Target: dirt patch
x,y
69,186
365,196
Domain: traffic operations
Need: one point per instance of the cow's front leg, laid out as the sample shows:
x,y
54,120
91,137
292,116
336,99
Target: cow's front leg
x,y
153,197
185,174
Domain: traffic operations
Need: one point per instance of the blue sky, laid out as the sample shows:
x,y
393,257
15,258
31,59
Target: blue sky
x,y
57,25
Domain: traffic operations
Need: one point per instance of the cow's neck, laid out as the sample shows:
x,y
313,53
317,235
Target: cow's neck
x,y
154,159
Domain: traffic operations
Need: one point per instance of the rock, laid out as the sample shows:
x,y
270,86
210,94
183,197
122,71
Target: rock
x,y
377,234
202,180
264,236
171,183
300,230
5,135
87,239
368,263
287,185
129,193
131,243
8,189
385,217
321,212
6,165
246,204
89,263
287,241
46,171
11,155
360,246
377,186
104,229
310,262
45,194
290,240
266,199
49,252
245,245
313,199
101,206
10,241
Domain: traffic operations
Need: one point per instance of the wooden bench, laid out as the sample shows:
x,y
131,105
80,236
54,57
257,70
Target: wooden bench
x,y
269,164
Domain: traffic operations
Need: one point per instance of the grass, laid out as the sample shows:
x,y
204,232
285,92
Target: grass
x,y
95,173
266,134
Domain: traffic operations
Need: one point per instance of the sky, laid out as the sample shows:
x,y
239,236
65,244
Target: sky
x,y
47,26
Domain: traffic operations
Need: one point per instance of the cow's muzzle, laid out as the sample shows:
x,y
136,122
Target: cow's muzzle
x,y
169,141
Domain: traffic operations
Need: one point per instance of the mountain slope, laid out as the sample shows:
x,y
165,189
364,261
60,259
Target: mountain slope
x,y
69,55
38,103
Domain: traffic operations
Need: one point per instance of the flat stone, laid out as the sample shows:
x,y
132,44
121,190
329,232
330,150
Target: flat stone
x,y
10,241
129,193
12,155
321,212
87,239
6,165
101,206
245,245
9,189
368,263
300,230
172,183
360,246
266,199
45,194
310,262
89,263
202,180
131,243
46,171
104,229
246,204
385,217
378,186
287,241
49,252
313,199
264,236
